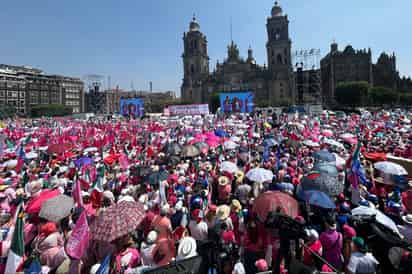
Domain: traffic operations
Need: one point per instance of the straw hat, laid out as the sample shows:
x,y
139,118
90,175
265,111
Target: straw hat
x,y
223,180
239,175
187,248
152,237
223,212
236,206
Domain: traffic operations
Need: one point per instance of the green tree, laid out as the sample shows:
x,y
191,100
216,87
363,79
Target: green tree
x,y
51,110
7,111
406,99
351,93
382,96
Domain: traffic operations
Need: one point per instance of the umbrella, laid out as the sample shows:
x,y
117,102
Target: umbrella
x,y
270,142
379,216
34,205
324,156
201,145
31,155
228,167
310,143
273,201
173,149
56,148
10,163
83,161
326,168
220,133
190,151
157,176
347,136
321,182
334,143
229,145
56,208
259,175
390,168
117,221
90,149
317,198
327,133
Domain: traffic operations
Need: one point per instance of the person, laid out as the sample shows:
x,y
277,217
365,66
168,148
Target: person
x,y
313,246
361,261
406,229
332,242
161,223
198,228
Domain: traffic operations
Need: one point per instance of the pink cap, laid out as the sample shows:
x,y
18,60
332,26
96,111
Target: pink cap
x,y
261,265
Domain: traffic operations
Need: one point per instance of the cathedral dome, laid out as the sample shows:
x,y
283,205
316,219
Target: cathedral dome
x,y
277,10
194,25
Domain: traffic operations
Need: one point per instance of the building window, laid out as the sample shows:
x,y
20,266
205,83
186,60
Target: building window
x,y
192,68
279,59
1,93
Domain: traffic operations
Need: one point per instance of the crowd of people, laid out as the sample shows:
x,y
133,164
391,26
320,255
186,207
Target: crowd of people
x,y
242,193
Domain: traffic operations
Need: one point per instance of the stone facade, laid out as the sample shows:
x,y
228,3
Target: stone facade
x,y
272,84
348,65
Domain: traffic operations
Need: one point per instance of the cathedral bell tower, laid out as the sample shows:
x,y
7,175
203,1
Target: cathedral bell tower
x,y
279,56
195,63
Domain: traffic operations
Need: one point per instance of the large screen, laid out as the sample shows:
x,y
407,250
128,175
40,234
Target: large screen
x,y
236,102
132,107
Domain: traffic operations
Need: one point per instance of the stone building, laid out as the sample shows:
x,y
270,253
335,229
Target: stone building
x,y
348,65
23,87
272,84
384,72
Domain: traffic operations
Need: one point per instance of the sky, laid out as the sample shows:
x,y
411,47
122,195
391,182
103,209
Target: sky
x,y
138,41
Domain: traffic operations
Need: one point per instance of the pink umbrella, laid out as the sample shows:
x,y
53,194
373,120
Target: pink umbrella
x,y
212,143
34,205
327,133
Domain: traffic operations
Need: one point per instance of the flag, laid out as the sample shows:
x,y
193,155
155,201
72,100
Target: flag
x,y
356,173
104,266
27,140
266,154
1,145
77,193
16,252
277,159
79,239
9,144
34,267
21,157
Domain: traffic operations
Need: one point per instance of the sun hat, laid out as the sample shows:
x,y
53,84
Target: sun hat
x,y
236,206
222,212
152,237
407,219
187,248
223,180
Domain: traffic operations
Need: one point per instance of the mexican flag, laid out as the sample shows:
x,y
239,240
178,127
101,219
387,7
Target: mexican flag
x,y
16,252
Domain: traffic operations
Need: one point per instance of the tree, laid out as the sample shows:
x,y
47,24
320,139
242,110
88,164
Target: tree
x,y
406,99
382,96
7,111
51,110
351,93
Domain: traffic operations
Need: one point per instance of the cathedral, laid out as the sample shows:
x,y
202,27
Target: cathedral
x,y
272,84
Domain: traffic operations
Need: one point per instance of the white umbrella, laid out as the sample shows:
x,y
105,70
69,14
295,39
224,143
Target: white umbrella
x,y
390,168
235,139
379,216
10,164
310,143
259,175
229,145
31,155
90,149
347,136
228,167
334,143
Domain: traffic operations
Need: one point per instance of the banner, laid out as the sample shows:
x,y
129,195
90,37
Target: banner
x,y
132,107
236,102
199,109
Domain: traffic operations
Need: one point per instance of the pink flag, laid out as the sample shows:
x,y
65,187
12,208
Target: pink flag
x,y
79,240
77,194
123,161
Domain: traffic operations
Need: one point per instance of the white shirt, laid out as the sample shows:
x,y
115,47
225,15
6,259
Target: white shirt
x,y
362,263
239,268
198,230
